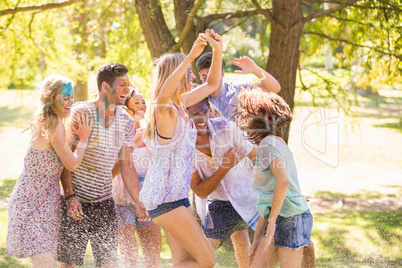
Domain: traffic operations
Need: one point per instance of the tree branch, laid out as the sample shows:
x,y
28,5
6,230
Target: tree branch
x,y
391,8
354,44
230,15
234,26
40,7
187,26
265,12
354,21
329,11
30,31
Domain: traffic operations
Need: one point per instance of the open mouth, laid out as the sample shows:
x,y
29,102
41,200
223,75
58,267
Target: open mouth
x,y
201,125
123,97
67,110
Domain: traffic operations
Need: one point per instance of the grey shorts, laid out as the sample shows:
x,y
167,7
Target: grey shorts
x,y
225,220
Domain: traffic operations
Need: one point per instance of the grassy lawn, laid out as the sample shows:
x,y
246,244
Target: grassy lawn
x,y
358,159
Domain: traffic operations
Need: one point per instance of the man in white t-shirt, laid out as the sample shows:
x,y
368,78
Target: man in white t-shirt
x,y
222,181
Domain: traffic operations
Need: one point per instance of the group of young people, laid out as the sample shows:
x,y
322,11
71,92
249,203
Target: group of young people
x,y
221,140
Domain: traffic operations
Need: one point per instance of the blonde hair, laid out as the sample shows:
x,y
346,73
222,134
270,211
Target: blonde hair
x,y
164,67
46,117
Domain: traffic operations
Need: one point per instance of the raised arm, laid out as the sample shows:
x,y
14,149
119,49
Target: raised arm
x,y
71,160
172,82
267,82
214,76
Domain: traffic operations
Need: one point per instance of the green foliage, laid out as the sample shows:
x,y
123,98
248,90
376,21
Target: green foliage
x,y
77,39
366,41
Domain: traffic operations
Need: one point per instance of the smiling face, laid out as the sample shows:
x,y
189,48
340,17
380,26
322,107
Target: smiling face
x,y
203,75
199,114
117,92
137,105
64,100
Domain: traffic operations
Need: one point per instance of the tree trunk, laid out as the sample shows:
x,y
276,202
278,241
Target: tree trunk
x,y
283,57
181,9
157,35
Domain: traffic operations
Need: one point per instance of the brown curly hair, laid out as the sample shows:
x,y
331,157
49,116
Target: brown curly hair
x,y
262,114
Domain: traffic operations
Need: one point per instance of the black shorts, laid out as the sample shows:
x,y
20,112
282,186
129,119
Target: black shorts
x,y
99,225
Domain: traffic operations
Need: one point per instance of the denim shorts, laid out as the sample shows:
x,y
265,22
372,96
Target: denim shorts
x,y
166,207
293,232
225,220
127,215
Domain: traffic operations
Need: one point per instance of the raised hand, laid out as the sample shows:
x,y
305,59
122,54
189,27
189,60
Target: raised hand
x,y
84,127
198,46
214,38
246,64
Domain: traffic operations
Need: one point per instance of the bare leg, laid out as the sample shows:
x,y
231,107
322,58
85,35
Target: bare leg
x,y
289,258
43,260
241,243
188,244
215,243
128,246
309,256
151,243
266,255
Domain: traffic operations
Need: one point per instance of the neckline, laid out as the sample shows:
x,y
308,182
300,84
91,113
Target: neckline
x,y
278,138
98,117
36,150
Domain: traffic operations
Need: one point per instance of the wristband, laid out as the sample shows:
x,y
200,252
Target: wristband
x,y
70,196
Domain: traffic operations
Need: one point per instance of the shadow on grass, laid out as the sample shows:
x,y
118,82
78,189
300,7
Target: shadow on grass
x,y
6,187
392,125
6,261
362,194
10,116
332,262
376,232
385,222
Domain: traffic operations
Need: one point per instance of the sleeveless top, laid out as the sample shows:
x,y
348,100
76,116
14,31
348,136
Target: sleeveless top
x,y
169,174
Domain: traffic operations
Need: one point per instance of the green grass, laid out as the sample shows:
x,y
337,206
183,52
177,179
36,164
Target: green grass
x,y
362,194
6,187
346,238
342,238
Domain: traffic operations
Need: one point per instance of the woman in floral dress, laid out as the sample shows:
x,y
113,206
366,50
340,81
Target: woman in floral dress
x,y
34,207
